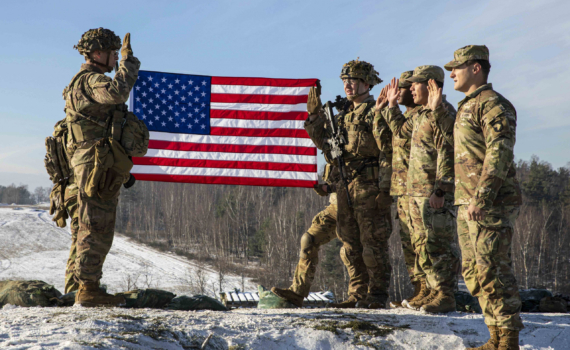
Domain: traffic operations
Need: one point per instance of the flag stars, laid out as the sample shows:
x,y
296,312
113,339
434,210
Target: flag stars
x,y
144,116
138,88
144,105
156,106
204,83
163,112
176,114
170,107
170,86
183,109
190,93
203,126
150,100
183,87
150,111
183,98
196,99
196,110
203,105
138,99
163,80
176,92
196,120
189,126
176,125
157,95
196,88
155,84
163,102
203,94
150,123
170,119
191,82
176,103
203,115
149,78
144,94
163,91
156,118
150,89
144,83
138,110
183,120
163,124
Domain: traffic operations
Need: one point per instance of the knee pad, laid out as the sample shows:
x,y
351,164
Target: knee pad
x,y
308,247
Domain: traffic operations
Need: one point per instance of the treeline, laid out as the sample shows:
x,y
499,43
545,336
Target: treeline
x,y
256,230
13,194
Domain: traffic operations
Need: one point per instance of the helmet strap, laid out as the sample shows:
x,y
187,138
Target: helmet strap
x,y
352,97
106,66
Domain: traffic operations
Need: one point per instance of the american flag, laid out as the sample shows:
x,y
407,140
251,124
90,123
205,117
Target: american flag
x,y
222,130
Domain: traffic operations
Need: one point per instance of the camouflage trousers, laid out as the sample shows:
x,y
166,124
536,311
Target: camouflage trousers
x,y
487,266
437,256
364,231
322,231
96,229
406,236
71,205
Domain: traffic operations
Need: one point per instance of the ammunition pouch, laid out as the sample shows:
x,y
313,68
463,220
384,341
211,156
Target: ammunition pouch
x,y
135,136
369,168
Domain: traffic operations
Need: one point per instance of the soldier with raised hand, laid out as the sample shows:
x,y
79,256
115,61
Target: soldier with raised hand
x,y
400,160
95,113
487,191
365,227
430,184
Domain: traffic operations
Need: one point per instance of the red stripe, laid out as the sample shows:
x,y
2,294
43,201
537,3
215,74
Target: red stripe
x,y
225,180
299,133
228,148
269,99
224,164
263,82
251,115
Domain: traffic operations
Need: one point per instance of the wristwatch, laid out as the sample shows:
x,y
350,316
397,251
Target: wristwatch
x,y
439,193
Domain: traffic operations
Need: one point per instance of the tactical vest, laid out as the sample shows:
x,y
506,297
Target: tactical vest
x,y
358,131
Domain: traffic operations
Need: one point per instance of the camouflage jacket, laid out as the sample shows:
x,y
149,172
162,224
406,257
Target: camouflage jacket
x,y
484,135
90,100
431,155
400,157
383,137
356,125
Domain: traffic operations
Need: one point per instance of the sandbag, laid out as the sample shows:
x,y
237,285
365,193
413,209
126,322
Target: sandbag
x,y
147,298
465,302
197,302
28,293
270,300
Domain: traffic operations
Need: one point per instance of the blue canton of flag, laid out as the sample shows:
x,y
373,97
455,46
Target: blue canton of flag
x,y
176,103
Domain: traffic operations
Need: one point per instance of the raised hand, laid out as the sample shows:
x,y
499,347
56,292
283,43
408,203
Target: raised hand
x,y
435,97
314,104
126,49
393,93
382,100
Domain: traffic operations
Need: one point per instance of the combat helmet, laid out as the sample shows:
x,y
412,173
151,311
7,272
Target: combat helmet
x,y
98,39
361,70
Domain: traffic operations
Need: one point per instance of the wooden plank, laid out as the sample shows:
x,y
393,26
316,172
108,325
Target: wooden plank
x,y
242,298
255,296
248,297
235,297
311,297
318,295
228,297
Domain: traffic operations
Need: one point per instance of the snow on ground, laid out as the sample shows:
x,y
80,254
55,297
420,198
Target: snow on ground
x,y
33,247
82,328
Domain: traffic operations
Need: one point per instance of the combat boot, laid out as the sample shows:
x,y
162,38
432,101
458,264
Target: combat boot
x,y
422,293
508,339
492,343
90,295
349,303
289,295
372,301
417,287
415,305
440,304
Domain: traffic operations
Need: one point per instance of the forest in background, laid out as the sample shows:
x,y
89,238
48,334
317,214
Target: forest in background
x,y
255,231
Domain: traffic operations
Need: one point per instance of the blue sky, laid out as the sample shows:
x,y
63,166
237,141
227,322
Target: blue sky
x,y
529,43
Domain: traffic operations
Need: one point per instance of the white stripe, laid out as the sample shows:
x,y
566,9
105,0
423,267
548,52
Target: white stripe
x,y
245,157
260,90
232,140
266,174
259,107
257,124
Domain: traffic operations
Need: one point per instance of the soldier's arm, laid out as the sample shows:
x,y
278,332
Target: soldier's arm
x,y
398,123
498,123
445,173
317,130
105,90
445,121
383,137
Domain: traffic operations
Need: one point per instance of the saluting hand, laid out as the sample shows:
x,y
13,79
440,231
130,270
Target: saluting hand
x,y
435,95
393,93
314,104
382,100
126,49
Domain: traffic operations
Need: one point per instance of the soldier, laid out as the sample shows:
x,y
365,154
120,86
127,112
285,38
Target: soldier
x,y
71,205
430,188
487,191
400,159
94,106
365,227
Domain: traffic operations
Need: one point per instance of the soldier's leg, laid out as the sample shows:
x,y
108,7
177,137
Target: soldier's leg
x,y
494,268
322,231
466,234
418,235
405,236
351,252
374,223
71,203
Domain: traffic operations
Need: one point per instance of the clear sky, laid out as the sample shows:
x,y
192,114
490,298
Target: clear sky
x,y
529,43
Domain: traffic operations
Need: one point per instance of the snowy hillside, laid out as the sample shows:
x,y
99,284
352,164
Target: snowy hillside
x,y
32,247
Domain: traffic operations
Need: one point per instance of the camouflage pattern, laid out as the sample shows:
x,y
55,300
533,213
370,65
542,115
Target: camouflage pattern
x,y
403,83
322,230
406,238
485,135
71,204
425,73
383,136
100,39
90,102
431,156
487,265
468,53
437,254
360,70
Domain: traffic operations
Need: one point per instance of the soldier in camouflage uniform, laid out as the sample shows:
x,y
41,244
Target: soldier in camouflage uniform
x,y
430,188
487,191
365,228
71,205
93,102
400,158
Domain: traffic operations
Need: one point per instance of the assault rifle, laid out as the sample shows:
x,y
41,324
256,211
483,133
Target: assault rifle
x,y
337,143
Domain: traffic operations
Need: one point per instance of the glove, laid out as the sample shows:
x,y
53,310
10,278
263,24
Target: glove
x,y
319,189
130,182
126,49
314,104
